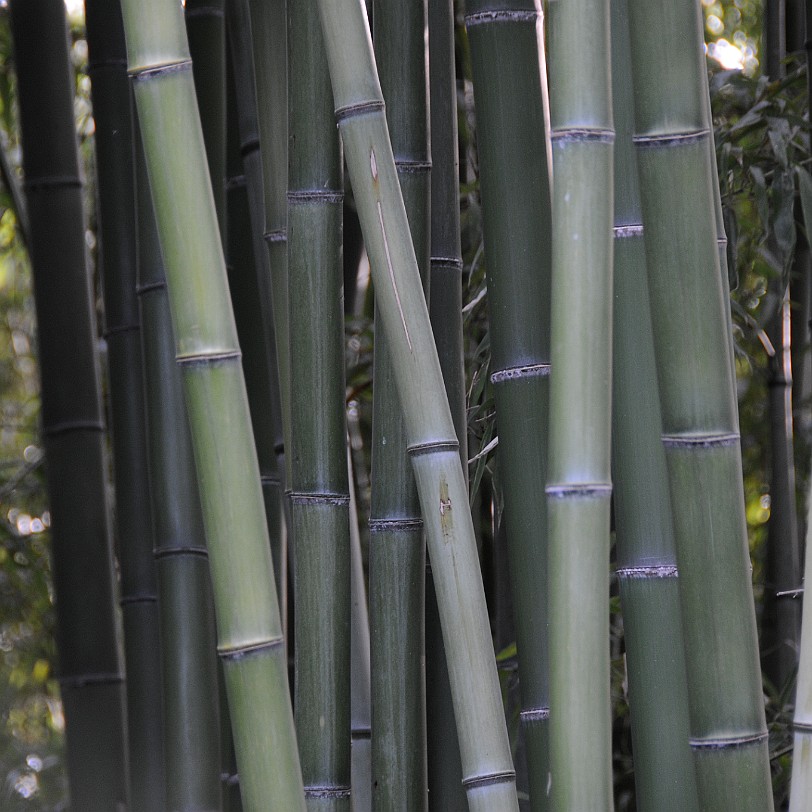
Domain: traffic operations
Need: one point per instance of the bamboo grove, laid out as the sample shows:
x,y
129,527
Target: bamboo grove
x,y
283,582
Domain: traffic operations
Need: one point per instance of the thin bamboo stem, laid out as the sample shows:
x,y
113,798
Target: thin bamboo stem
x,y
487,769
90,674
250,639
319,497
112,113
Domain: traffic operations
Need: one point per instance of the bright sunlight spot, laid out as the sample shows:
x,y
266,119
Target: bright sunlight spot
x,y
728,55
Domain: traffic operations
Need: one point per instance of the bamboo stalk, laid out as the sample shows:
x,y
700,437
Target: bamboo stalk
x,y
191,728
112,114
90,675
319,498
510,94
263,385
250,640
579,484
445,311
646,553
487,769
397,548
700,422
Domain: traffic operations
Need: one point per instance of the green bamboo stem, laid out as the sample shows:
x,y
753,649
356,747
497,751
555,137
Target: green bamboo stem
x,y
445,311
90,674
700,421
112,113
487,769
360,667
646,552
397,549
268,30
510,90
263,384
800,799
579,484
191,699
319,498
250,640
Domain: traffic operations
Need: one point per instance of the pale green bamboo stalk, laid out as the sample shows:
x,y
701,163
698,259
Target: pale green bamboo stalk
x,y
250,640
510,95
189,664
646,554
446,792
579,485
700,421
319,488
397,549
263,387
800,799
487,769
89,672
112,102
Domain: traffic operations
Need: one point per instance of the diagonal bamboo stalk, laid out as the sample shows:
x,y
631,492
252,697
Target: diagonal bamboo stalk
x,y
319,496
646,553
250,640
700,421
112,103
579,485
90,675
487,769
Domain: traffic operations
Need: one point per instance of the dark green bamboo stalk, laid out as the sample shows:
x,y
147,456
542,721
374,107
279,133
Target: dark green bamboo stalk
x,y
487,769
445,310
263,384
397,549
90,674
319,498
579,484
700,421
646,553
512,125
112,112
191,741
250,639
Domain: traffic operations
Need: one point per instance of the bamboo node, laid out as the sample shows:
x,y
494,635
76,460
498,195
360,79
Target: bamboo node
x,y
316,196
580,490
699,440
276,235
155,71
88,680
359,109
504,777
725,742
236,182
120,329
534,715
141,597
339,499
394,525
251,145
436,445
514,373
413,167
501,16
250,649
149,287
180,550
624,232
802,727
653,571
207,358
452,263
595,135
670,139
327,792
69,426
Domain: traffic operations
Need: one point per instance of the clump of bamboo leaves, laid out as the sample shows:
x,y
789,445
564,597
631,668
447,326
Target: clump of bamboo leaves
x,y
397,548
90,673
510,88
646,554
319,488
699,414
112,103
579,484
191,726
487,768
250,640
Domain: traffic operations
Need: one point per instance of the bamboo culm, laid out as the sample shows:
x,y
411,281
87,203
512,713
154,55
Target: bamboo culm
x,y
90,672
487,767
250,639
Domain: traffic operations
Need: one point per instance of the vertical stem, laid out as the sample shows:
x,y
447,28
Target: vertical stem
x,y
90,675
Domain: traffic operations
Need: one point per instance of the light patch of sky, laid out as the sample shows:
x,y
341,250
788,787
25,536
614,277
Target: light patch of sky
x,y
76,8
